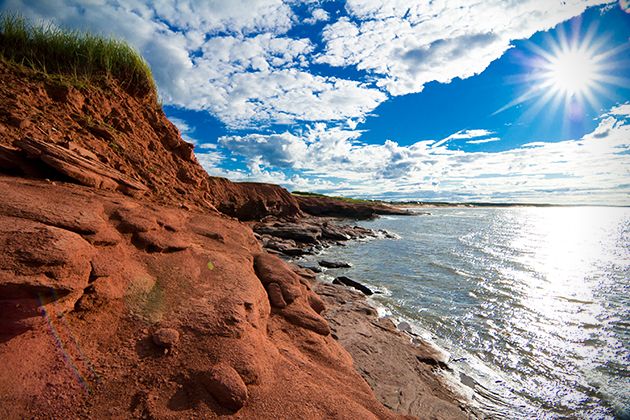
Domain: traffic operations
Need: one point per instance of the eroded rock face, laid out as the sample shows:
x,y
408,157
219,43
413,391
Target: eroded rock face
x,y
80,165
106,138
42,262
251,200
213,328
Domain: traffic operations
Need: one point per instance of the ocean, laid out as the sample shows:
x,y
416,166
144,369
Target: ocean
x,y
531,303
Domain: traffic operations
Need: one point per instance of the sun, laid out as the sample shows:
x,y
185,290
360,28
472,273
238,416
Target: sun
x,y
572,73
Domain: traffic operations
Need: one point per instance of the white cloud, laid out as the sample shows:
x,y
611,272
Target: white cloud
x,y
211,160
285,96
464,134
242,16
622,110
482,141
318,15
282,150
227,57
470,134
595,168
408,44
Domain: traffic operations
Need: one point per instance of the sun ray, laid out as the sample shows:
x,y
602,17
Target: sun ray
x,y
569,71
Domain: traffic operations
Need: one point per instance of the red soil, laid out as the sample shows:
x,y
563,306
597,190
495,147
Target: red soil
x,y
130,135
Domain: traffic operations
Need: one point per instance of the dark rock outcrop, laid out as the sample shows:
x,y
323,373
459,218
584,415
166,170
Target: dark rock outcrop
x,y
332,207
334,264
306,235
346,281
301,232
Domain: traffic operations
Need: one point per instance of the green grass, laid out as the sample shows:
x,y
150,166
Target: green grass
x,y
346,199
80,56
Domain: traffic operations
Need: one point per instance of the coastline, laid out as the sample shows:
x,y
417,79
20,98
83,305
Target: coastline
x,y
400,370
135,284
147,294
404,371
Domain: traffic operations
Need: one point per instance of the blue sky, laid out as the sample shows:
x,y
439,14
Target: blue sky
x,y
435,100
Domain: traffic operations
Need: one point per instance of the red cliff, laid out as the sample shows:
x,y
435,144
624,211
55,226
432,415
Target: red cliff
x,y
124,293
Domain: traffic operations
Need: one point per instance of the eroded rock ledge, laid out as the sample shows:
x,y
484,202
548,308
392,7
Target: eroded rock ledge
x,y
115,307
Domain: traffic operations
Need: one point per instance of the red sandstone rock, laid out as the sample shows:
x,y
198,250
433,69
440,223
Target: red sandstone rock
x,y
226,386
275,295
306,319
42,262
166,337
85,171
316,303
106,138
93,357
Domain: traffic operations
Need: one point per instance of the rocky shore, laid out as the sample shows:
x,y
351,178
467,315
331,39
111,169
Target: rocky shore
x,y
400,368
133,285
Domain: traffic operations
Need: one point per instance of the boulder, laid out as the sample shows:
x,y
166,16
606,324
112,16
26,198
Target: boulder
x,y
43,263
312,267
334,264
166,337
346,281
226,386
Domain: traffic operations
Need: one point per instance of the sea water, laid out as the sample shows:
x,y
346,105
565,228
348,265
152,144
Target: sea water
x,y
531,303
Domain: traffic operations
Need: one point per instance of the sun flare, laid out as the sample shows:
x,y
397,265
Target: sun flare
x,y
572,72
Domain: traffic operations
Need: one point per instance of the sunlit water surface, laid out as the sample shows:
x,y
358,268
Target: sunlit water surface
x,y
533,304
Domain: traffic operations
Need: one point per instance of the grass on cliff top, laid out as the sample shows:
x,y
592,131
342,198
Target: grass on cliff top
x,y
77,55
346,199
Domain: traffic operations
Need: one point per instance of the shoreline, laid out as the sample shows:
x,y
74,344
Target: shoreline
x,y
146,294
402,372
406,373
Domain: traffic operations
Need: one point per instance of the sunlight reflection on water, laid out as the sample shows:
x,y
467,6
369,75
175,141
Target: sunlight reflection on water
x,y
535,301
